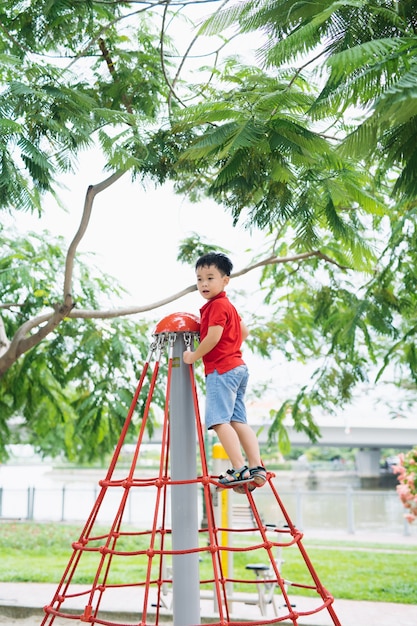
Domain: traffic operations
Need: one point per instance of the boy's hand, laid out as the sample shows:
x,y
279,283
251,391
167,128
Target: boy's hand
x,y
188,357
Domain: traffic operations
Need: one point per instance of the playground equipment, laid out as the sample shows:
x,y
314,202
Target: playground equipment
x,y
163,564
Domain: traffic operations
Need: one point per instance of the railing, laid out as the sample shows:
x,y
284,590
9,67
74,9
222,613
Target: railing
x,y
346,510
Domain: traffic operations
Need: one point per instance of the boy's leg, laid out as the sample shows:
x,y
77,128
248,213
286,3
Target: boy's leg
x,y
221,392
224,402
229,439
249,442
247,436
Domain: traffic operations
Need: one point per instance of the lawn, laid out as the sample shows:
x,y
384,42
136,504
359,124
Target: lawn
x,y
39,552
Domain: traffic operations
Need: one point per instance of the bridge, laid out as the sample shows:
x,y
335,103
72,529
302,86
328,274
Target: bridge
x,y
365,436
368,435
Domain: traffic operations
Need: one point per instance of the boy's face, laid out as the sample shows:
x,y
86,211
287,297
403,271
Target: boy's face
x,y
210,281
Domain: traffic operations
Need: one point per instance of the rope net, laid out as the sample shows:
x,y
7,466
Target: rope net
x,y
133,567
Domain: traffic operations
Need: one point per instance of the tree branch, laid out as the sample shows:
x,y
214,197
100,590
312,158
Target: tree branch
x,y
132,310
22,341
274,260
92,192
11,305
110,65
4,341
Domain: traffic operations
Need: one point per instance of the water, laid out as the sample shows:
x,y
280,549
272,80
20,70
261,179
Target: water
x,y
41,493
333,500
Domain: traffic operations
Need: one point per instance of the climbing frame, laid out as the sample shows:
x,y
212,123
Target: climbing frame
x,y
133,567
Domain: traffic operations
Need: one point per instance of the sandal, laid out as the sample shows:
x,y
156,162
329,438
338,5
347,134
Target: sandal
x,y
258,475
244,487
235,476
257,479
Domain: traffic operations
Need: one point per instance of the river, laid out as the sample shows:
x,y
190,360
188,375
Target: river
x,y
313,500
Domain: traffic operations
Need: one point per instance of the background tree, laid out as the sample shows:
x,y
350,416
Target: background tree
x,y
70,80
362,54
250,138
68,395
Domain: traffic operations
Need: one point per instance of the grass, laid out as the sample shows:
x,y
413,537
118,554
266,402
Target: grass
x,y
39,552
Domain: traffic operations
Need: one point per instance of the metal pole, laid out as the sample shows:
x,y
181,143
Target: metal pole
x,y
63,504
184,498
31,502
223,510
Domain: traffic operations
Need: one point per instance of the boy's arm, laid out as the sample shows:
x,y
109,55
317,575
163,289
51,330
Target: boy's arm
x,y
244,330
211,340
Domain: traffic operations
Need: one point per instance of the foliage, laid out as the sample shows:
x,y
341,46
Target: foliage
x,y
71,77
269,168
363,54
367,325
366,52
325,454
313,143
407,478
72,393
51,110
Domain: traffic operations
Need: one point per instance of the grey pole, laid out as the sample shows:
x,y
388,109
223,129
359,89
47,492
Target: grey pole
x,y
184,498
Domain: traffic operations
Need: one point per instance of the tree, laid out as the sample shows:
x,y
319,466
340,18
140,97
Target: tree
x,y
72,392
247,137
365,52
69,79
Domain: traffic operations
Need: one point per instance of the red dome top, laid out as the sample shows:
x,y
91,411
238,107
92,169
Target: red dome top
x,y
178,322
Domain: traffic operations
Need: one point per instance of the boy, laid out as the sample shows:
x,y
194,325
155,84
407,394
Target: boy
x,y
221,334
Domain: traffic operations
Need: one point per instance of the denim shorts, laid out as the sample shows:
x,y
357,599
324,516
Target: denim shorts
x,y
225,395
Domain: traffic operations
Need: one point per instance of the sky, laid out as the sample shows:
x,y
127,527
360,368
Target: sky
x,y
134,233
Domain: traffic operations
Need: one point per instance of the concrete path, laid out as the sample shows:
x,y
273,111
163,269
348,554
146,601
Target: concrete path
x,y
27,599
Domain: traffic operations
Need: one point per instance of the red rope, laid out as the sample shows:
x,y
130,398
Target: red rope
x,y
109,547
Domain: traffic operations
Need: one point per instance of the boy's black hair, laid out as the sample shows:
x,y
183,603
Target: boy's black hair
x,y
218,259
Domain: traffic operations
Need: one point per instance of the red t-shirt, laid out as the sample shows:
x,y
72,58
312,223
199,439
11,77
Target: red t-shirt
x,y
219,311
